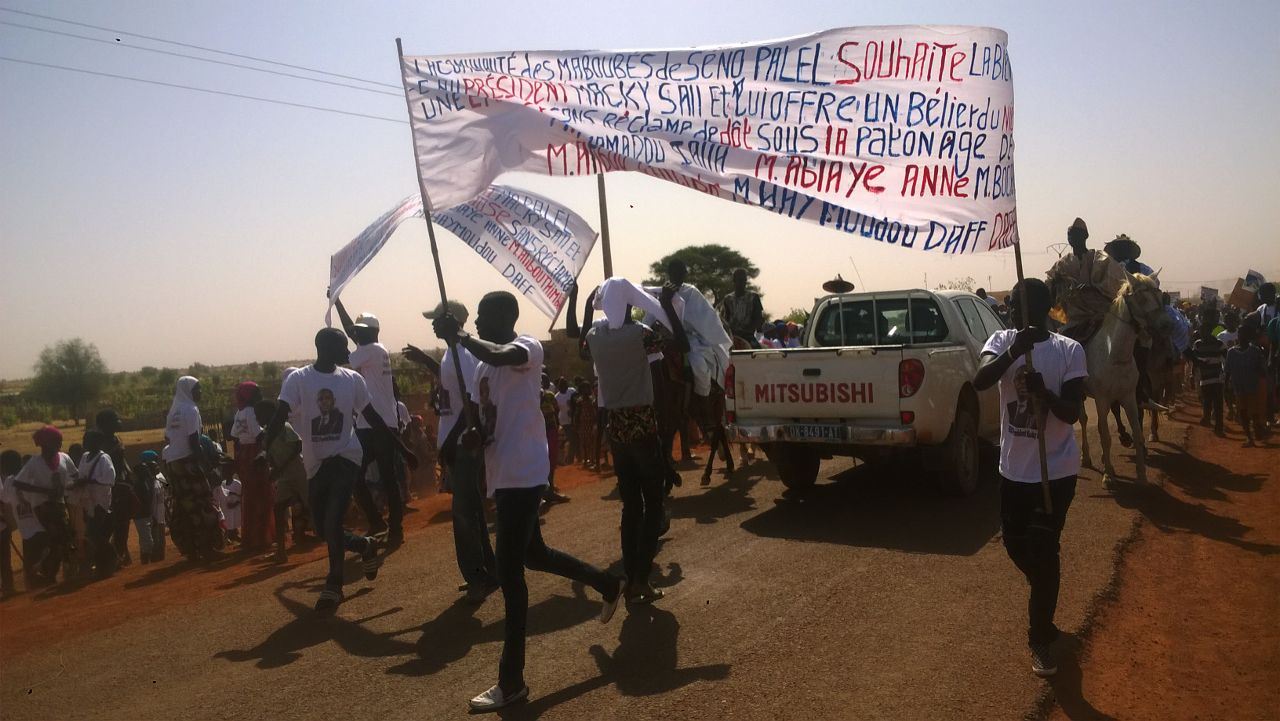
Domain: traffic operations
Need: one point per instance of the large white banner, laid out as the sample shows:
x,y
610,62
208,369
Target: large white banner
x,y
903,135
538,245
354,256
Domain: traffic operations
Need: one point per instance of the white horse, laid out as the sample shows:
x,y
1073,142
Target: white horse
x,y
1113,374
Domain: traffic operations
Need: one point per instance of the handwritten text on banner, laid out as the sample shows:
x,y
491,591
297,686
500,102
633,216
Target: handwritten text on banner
x,y
903,135
538,245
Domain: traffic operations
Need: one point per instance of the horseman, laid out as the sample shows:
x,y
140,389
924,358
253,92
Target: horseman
x,y
1085,283
709,343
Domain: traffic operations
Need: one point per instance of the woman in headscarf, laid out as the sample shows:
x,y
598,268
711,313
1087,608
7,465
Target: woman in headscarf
x,y
196,531
40,489
257,513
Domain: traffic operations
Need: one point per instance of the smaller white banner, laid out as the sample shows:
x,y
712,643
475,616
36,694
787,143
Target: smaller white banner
x,y
538,245
354,256
1207,294
1253,281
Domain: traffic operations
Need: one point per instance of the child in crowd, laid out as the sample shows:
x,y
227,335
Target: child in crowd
x,y
1230,336
1207,356
146,488
1245,368
228,496
284,461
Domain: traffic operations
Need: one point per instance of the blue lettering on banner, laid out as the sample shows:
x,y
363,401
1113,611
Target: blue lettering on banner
x,y
899,135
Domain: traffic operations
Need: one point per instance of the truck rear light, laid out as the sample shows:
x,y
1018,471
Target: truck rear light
x,y
910,377
730,394
729,378
908,417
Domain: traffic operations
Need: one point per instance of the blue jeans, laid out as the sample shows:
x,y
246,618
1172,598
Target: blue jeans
x,y
520,545
640,465
470,532
330,491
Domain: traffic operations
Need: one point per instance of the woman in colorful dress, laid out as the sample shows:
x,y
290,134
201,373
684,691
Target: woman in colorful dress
x,y
195,527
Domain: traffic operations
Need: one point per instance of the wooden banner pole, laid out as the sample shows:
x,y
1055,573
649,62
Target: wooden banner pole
x,y
431,235
1040,418
604,227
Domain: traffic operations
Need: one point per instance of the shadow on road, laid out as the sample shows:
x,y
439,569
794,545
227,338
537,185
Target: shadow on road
x,y
451,635
645,663
886,505
285,644
1068,684
709,504
1199,478
1172,514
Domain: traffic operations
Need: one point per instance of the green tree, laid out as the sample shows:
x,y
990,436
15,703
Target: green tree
x,y
69,373
799,316
710,268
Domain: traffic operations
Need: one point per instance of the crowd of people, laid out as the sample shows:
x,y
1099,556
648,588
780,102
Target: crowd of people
x,y
339,432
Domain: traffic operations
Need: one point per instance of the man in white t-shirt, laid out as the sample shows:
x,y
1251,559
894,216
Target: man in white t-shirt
x,y
94,484
372,361
1046,402
512,429
463,467
328,398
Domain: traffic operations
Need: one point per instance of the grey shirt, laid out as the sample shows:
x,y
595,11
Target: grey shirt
x,y
621,358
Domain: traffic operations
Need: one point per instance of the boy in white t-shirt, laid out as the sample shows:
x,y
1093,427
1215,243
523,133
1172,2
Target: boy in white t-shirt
x,y
327,398
1044,402
507,389
373,362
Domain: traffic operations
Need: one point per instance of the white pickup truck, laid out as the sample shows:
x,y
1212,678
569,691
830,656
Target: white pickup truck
x,y
878,372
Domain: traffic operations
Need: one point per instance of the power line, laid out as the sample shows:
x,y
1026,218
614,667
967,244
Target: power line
x,y
203,90
117,43
198,47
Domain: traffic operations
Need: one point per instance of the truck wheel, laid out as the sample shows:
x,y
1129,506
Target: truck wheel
x,y
797,467
960,469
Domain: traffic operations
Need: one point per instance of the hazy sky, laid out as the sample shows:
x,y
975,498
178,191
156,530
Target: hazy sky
x,y
170,227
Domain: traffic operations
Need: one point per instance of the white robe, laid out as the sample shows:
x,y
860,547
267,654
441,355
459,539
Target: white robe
x,y
709,342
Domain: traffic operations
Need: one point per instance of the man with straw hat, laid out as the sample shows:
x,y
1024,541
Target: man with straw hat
x,y
1126,251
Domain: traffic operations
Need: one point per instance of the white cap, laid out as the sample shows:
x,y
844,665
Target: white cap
x,y
367,320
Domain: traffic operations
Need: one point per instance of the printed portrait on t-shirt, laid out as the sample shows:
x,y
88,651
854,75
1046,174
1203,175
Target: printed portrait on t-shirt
x,y
488,411
329,421
1022,421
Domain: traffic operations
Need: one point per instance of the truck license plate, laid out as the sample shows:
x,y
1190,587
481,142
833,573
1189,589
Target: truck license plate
x,y
820,433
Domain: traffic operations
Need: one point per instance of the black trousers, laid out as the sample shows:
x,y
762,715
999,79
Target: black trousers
x,y
1211,403
1031,538
6,560
520,546
640,466
379,449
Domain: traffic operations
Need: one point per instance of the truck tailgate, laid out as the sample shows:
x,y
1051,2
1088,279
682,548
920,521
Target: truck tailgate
x,y
818,383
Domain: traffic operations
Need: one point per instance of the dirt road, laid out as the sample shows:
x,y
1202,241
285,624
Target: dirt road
x,y
874,597
1191,631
